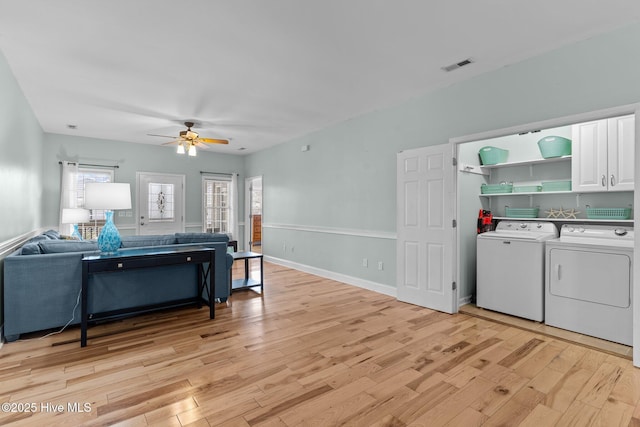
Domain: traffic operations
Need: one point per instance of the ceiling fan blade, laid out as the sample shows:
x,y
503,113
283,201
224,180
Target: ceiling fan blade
x,y
172,142
213,141
163,136
199,144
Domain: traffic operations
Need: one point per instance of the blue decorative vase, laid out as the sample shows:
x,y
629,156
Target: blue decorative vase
x,y
76,232
109,239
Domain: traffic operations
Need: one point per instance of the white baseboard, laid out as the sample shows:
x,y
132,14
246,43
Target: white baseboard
x,y
349,280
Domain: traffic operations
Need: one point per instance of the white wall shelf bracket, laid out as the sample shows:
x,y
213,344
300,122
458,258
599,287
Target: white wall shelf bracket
x,y
473,169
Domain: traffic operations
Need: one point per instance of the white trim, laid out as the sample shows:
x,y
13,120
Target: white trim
x,y
349,280
332,230
11,245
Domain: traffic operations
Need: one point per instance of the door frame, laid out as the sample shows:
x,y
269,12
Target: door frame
x,y
566,121
137,198
248,228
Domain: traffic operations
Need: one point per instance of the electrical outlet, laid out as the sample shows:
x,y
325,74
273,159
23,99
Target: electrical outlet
x,y
380,265
365,262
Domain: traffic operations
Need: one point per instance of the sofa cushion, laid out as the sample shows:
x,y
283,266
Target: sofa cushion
x,y
61,246
201,237
149,240
38,238
51,234
30,249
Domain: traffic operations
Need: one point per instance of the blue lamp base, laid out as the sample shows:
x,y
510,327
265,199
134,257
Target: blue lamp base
x,y
76,232
109,238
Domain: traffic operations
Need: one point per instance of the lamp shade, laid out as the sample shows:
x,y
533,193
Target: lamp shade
x,y
107,195
74,215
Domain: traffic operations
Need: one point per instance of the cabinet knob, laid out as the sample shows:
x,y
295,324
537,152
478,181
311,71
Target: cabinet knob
x,y
613,181
604,181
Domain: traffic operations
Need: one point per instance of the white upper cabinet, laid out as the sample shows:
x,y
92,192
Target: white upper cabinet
x,y
603,155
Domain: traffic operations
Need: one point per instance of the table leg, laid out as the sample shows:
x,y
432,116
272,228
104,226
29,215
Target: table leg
x,y
83,310
212,287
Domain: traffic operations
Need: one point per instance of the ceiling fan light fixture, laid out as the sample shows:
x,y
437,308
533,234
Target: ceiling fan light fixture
x,y
192,150
181,148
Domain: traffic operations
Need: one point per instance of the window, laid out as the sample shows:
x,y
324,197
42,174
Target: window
x,y
85,175
161,202
216,205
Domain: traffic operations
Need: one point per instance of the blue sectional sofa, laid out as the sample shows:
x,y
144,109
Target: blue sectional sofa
x,y
43,280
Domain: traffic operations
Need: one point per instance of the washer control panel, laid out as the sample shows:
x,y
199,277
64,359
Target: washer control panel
x,y
527,226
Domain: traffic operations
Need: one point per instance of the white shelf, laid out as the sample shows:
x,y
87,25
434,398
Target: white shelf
x,y
625,221
543,193
527,162
533,193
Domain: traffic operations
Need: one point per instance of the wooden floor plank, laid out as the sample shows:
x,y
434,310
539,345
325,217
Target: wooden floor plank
x,y
313,351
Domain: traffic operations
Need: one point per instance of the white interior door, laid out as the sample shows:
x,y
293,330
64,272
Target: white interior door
x,y
160,203
425,243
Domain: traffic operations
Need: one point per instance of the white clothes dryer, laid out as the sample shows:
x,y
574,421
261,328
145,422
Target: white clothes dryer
x,y
510,268
589,281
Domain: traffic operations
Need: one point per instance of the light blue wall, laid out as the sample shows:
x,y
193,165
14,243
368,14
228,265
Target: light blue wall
x,y
20,160
132,158
347,179
20,164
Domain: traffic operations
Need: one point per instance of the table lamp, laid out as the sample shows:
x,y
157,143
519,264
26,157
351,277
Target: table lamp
x,y
109,196
75,216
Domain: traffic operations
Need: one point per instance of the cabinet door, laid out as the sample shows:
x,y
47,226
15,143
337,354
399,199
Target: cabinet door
x,y
589,156
621,141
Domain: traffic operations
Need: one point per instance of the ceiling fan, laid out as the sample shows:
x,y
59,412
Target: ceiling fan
x,y
188,140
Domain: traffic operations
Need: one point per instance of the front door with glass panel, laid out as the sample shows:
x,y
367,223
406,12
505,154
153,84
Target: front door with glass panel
x,y
160,203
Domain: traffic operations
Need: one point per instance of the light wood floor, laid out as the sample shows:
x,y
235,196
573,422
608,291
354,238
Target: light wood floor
x,y
311,351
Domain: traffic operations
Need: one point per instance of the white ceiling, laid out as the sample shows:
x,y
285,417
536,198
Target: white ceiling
x,y
262,72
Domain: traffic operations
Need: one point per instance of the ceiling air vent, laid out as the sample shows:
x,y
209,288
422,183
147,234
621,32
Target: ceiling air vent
x,y
457,65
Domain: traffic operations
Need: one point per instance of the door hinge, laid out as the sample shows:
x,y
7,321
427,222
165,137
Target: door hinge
x,y
454,223
455,162
454,286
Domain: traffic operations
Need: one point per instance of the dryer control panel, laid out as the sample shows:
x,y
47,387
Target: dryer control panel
x,y
589,234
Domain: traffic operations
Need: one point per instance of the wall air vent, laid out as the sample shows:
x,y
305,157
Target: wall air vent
x,y
457,65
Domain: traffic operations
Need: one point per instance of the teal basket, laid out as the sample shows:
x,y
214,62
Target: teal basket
x,y
493,155
496,188
521,212
608,213
527,188
554,146
556,186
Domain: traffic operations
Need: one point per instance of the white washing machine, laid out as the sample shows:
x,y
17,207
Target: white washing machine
x,y
510,268
589,283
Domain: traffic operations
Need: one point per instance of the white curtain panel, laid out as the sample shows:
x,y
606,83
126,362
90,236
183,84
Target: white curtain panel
x,y
68,193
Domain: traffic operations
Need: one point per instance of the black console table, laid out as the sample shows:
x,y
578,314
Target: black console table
x,y
128,259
